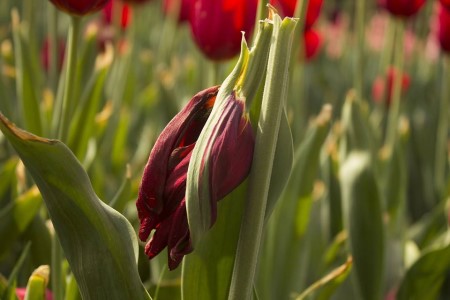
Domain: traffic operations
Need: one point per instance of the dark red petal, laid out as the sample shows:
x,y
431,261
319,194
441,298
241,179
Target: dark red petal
x,y
159,239
232,152
182,129
179,243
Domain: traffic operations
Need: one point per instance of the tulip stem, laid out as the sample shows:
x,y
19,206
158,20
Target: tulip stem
x,y
53,46
56,267
274,97
442,129
394,110
359,17
68,100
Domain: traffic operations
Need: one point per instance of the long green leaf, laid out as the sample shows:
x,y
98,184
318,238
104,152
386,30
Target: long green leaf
x,y
99,243
278,277
363,220
25,81
425,277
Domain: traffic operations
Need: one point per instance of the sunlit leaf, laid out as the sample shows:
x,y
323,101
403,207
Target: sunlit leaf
x,y
425,277
98,242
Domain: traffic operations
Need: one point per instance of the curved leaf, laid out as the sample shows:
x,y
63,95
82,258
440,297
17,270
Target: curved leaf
x,y
99,243
425,277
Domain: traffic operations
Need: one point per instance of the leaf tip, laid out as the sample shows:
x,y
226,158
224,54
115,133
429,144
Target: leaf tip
x,y
6,126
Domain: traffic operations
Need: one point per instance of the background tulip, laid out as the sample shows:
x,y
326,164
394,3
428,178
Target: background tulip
x,y
445,3
136,1
312,42
287,8
402,8
444,28
382,87
124,12
182,8
217,26
79,7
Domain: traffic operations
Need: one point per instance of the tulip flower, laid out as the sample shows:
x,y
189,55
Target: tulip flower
x,y
402,8
135,1
287,8
181,8
312,41
161,202
125,13
79,7
45,54
445,3
216,26
383,87
444,28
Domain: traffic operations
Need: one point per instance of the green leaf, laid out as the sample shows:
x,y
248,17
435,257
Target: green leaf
x,y
10,292
99,243
282,165
363,220
16,217
207,271
425,277
72,292
37,284
25,79
277,277
82,126
357,132
123,195
7,174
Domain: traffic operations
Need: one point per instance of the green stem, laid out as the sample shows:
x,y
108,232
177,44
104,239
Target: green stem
x,y
53,46
275,91
68,99
394,111
442,129
56,269
359,74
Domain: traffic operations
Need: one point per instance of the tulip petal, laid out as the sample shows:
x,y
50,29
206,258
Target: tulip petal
x,y
169,152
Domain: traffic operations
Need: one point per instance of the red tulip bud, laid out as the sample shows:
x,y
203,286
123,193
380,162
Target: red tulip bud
x,y
402,8
182,8
383,87
217,26
444,28
79,7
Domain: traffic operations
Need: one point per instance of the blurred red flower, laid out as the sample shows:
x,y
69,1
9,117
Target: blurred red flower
x,y
312,42
125,13
21,292
181,8
45,54
402,8
135,1
79,7
286,8
446,3
444,28
382,88
217,25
